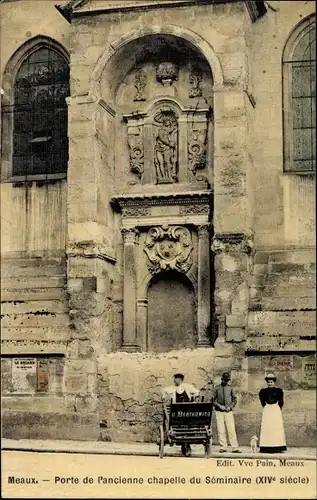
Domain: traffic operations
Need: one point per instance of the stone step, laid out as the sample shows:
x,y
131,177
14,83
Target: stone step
x,y
33,282
37,294
24,307
40,334
35,320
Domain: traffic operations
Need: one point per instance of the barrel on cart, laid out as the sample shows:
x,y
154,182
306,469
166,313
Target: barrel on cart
x,y
185,424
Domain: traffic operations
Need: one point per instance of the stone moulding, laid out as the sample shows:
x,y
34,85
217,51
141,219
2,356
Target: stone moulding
x,y
169,247
74,8
232,242
140,206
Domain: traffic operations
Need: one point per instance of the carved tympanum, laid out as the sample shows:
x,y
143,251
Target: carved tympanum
x,y
169,247
166,147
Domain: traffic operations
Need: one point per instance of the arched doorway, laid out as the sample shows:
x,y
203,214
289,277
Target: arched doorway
x,y
171,313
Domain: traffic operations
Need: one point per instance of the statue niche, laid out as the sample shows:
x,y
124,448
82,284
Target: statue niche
x,y
166,148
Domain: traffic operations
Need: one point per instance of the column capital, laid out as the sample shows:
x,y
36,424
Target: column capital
x,y
232,242
130,234
203,230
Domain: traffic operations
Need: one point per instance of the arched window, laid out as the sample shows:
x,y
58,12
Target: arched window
x,y
38,144
299,99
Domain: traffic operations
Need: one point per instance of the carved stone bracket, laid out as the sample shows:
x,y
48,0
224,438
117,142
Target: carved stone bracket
x,y
233,242
90,249
169,247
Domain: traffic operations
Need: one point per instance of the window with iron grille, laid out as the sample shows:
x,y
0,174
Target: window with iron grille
x,y
299,99
39,112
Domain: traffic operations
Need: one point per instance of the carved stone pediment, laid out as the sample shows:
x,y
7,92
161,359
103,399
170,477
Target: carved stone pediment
x,y
169,247
69,8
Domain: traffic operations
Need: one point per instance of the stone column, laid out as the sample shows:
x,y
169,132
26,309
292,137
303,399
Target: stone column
x,y
142,304
130,343
203,289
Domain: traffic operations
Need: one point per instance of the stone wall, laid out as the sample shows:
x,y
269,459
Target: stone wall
x,y
285,203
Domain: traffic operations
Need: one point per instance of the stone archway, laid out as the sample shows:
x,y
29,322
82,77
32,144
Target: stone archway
x,y
192,38
171,313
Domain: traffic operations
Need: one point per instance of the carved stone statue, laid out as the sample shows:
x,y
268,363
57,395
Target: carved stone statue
x,y
166,148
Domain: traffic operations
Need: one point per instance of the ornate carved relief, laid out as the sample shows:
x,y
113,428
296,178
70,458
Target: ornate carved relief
x,y
197,147
169,247
136,147
195,80
167,72
140,82
134,211
166,147
194,209
233,242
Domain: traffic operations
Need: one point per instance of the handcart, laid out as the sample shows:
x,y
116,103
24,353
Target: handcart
x,y
185,424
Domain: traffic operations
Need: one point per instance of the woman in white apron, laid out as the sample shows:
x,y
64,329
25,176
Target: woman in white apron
x,y
272,436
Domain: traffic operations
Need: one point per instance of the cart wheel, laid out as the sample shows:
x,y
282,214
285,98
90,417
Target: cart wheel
x,y
161,442
186,450
207,449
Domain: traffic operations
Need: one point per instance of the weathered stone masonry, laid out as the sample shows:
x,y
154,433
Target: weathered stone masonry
x,y
174,244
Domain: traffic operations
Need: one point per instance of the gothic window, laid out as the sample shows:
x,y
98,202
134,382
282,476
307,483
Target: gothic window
x,y
299,96
39,147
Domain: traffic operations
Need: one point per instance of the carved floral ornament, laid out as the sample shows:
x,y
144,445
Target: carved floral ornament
x,y
195,80
140,82
136,147
169,247
197,148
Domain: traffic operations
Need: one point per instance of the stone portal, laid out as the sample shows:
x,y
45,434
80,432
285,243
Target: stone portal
x,y
171,313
